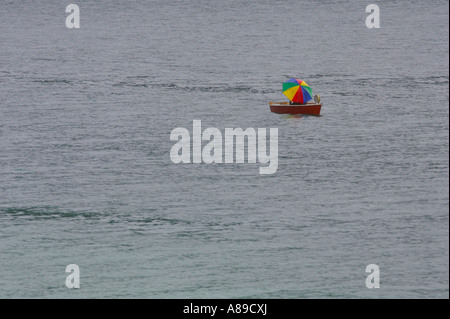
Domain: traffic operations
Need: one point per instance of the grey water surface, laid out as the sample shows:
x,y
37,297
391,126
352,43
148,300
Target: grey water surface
x,y
86,176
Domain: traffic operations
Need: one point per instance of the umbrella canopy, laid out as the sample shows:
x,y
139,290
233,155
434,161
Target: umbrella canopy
x,y
297,91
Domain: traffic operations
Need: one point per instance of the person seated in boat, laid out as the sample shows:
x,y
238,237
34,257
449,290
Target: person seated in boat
x,y
316,99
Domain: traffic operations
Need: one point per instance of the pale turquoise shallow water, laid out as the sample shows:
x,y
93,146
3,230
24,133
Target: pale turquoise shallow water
x,y
86,177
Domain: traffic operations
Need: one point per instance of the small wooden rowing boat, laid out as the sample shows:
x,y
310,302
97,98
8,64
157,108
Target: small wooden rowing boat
x,y
286,108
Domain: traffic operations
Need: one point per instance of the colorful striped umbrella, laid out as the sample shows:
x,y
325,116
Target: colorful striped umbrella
x,y
297,91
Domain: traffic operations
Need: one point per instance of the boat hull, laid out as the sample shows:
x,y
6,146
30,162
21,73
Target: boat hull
x,y
286,108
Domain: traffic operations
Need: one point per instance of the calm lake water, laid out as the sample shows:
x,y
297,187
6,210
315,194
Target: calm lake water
x,y
86,176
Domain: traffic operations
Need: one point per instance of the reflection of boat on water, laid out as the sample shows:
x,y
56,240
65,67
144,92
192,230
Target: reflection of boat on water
x,y
287,108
